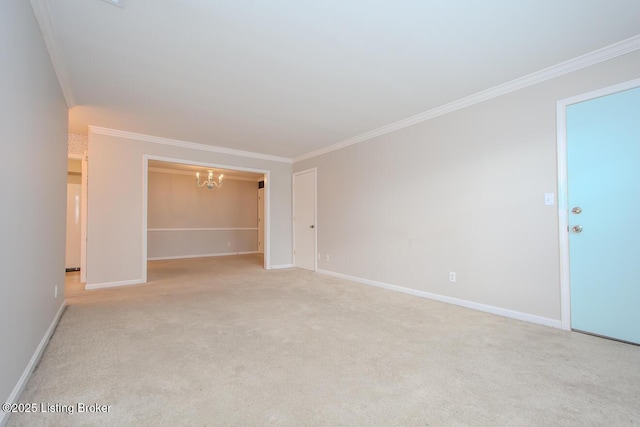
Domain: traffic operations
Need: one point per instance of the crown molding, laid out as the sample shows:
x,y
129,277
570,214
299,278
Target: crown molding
x,y
43,16
186,144
592,58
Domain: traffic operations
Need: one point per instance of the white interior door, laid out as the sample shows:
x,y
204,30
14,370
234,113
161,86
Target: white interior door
x,y
72,259
603,153
261,220
304,219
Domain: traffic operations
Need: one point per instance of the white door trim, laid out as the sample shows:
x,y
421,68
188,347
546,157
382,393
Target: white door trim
x,y
145,195
261,227
563,208
83,214
315,216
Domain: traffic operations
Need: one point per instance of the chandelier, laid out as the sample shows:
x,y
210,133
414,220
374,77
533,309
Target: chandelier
x,y
210,183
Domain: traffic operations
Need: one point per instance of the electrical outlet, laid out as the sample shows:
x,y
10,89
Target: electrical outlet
x,y
452,276
326,257
319,257
228,244
55,292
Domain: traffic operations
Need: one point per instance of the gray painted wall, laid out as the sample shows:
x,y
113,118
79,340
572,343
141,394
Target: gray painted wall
x,y
174,202
114,229
33,135
463,193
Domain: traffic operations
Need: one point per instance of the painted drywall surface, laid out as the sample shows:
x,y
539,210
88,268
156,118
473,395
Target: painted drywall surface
x,y
460,193
74,166
77,144
193,244
74,178
33,131
175,203
114,240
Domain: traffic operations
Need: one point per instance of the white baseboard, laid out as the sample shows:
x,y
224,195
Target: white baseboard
x,y
280,267
92,286
164,258
526,317
24,378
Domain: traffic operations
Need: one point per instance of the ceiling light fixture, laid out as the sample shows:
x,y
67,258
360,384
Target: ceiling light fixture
x,y
210,183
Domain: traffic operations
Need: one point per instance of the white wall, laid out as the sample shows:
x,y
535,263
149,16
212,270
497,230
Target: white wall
x,y
176,206
461,192
114,239
33,131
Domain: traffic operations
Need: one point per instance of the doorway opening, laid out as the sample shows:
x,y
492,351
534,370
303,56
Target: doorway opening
x,y
219,217
74,192
76,224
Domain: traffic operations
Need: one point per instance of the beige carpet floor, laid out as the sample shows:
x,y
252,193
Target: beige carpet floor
x,y
222,342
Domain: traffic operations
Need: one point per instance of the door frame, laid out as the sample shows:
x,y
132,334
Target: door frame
x,y
315,216
145,196
261,225
83,214
563,204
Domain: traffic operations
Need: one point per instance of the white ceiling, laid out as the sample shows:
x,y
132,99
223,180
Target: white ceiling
x,y
287,77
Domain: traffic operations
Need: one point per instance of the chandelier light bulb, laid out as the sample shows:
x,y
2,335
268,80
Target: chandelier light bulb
x,y
209,183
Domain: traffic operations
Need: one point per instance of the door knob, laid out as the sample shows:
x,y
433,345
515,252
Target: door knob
x,y
312,226
577,229
577,210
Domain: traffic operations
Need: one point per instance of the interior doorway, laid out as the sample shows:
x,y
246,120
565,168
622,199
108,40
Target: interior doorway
x,y
74,193
194,210
76,224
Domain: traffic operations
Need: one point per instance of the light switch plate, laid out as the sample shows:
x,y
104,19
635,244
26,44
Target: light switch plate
x,y
549,199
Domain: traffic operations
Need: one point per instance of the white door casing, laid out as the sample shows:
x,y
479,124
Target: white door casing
x,y
145,202
84,199
261,220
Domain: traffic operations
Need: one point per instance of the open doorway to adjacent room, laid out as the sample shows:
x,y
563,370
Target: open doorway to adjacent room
x,y
197,211
75,248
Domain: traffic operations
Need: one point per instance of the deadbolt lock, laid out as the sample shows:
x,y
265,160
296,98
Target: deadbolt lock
x,y
577,210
